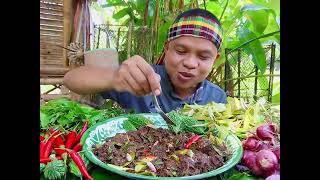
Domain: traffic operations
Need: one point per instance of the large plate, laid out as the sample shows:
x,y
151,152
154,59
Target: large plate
x,y
110,127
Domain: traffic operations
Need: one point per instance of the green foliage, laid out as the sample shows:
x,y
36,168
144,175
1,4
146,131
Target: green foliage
x,y
138,120
54,170
184,123
128,126
66,114
254,48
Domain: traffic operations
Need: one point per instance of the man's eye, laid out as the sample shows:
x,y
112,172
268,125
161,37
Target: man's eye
x,y
180,51
204,57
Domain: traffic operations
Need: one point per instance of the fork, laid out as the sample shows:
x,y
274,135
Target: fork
x,y
159,110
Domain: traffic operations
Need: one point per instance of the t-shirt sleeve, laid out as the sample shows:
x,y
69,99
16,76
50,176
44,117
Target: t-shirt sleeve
x,y
223,98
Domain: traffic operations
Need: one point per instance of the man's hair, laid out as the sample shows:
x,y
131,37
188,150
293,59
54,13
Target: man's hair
x,y
198,12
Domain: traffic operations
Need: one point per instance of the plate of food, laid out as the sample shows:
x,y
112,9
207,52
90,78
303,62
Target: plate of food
x,y
143,146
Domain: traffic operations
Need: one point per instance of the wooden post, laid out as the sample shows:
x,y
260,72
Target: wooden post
x,y
67,26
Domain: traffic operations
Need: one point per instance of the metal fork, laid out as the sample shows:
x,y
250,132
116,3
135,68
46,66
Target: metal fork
x,y
159,110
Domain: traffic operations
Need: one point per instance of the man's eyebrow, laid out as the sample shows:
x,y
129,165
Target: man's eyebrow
x,y
180,45
208,52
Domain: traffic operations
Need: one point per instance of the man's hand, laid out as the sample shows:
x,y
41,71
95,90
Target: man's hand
x,y
136,76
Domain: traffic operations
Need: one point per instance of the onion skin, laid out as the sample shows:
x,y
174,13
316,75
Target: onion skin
x,y
251,143
266,160
276,151
249,160
273,177
266,131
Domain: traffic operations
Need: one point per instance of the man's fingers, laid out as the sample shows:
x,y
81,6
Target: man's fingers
x,y
153,78
140,78
154,81
138,90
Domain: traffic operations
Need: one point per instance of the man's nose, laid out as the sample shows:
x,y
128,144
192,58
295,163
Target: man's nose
x,y
190,62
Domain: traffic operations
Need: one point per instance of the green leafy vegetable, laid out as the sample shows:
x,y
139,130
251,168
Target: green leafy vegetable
x,y
67,114
128,126
42,166
236,116
184,123
54,170
138,120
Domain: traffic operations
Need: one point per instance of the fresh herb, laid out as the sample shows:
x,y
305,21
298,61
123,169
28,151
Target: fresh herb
x,y
66,114
138,120
54,170
128,126
184,123
42,166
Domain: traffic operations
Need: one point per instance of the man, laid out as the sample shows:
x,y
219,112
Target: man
x,y
193,44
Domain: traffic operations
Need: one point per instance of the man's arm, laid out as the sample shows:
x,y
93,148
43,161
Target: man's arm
x,y
134,75
90,79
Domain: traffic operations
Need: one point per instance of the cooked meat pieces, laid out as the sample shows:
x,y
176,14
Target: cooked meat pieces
x,y
164,149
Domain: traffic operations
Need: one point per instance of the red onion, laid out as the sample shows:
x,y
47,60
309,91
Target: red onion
x,y
151,166
249,159
247,156
273,177
263,145
276,151
128,156
266,131
266,160
251,143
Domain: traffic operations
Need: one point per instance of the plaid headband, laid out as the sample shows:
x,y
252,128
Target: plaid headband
x,y
196,26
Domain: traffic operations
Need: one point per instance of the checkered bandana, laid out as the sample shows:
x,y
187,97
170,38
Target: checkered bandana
x,y
196,26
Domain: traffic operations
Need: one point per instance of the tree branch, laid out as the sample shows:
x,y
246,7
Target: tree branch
x,y
245,43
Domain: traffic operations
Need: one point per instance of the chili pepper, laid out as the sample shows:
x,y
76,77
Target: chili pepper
x,y
71,139
48,146
84,128
77,147
51,130
46,160
146,152
42,147
191,141
79,162
41,138
60,144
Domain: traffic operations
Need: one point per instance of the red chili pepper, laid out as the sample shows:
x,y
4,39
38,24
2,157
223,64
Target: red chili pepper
x,y
42,147
77,147
71,139
146,152
59,144
51,130
46,160
191,141
84,128
48,147
41,138
79,162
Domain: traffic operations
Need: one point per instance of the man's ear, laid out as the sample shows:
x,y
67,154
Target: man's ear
x,y
218,55
166,47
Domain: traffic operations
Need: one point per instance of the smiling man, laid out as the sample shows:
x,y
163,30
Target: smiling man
x,y
193,44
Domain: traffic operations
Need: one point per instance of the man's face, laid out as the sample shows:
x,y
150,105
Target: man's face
x,y
188,60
